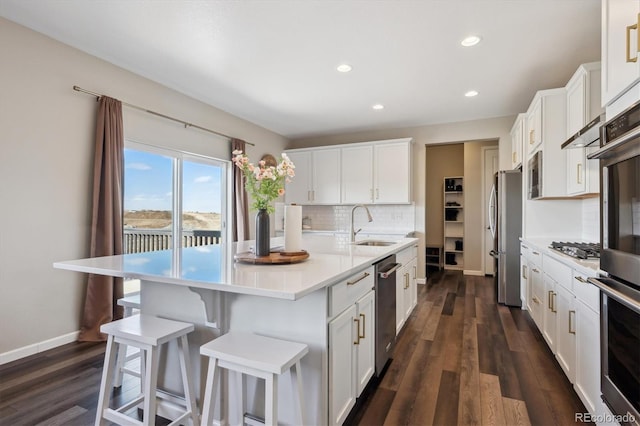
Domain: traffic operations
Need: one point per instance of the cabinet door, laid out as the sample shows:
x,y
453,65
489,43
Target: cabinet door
x,y
414,283
357,174
617,72
566,332
524,290
342,371
587,375
326,176
392,173
534,126
537,294
576,171
517,135
298,191
400,301
365,348
550,313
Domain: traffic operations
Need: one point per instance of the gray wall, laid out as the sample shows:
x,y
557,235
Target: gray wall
x,y
46,135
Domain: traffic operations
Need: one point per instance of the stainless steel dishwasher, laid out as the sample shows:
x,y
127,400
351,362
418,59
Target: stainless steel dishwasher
x,y
385,288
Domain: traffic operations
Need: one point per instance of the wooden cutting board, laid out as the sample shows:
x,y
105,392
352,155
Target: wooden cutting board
x,y
274,258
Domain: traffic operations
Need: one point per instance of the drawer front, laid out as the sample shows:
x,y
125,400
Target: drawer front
x,y
406,255
586,292
535,255
347,292
525,250
559,272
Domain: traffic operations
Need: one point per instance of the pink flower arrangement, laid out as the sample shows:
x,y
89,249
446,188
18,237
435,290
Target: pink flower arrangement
x,y
264,183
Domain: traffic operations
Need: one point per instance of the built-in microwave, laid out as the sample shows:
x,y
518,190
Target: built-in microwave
x,y
534,177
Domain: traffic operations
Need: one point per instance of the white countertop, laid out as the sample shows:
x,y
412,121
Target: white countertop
x,y
588,266
211,267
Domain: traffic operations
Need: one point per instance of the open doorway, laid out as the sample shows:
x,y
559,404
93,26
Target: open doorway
x,y
465,160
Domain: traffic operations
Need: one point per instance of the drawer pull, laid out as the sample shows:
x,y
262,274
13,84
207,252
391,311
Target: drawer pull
x,y
572,329
536,253
365,275
535,270
582,280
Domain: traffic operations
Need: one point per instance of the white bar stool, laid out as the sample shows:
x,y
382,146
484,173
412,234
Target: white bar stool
x,y
147,333
129,303
258,356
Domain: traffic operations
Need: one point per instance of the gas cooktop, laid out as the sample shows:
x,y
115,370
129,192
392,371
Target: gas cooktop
x,y
578,250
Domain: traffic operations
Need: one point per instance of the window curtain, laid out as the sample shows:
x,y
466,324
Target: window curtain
x,y
240,225
103,292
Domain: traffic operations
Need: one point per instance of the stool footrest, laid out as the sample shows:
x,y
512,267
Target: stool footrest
x,y
252,420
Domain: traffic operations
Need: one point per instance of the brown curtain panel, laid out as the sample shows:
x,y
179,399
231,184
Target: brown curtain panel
x,y
103,292
240,222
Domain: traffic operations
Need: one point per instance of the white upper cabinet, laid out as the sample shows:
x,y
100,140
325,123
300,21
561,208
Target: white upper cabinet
x,y
534,125
317,179
547,115
583,105
377,172
517,140
392,172
357,174
620,50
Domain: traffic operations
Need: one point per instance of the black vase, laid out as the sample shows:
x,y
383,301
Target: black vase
x,y
262,233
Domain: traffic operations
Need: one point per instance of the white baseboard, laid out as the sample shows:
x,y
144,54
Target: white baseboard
x,y
475,273
35,348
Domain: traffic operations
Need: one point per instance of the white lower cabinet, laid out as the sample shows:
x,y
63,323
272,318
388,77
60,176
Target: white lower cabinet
x,y
569,322
566,332
342,368
365,340
537,294
351,343
406,285
550,313
587,373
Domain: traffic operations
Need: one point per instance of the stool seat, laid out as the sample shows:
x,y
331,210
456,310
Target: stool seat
x,y
251,350
130,302
147,333
147,329
258,356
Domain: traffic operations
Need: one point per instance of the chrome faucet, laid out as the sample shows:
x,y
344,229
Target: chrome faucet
x,y
352,231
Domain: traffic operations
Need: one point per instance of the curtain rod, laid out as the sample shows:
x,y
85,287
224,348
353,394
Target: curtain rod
x,y
186,124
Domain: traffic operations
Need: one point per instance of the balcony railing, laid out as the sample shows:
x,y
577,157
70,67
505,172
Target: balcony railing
x,y
143,240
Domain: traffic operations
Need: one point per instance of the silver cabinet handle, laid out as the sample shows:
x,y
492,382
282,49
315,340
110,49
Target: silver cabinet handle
x,y
365,275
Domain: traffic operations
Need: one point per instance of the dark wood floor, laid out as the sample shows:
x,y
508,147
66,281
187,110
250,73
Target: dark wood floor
x,y
461,359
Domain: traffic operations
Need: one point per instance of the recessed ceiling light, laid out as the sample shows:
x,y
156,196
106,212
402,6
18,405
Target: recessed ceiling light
x,y
471,94
470,41
343,68
378,106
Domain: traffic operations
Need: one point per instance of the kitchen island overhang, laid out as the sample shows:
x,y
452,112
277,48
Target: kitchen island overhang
x,y
204,286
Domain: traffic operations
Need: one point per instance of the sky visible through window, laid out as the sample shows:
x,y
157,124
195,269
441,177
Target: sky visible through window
x,y
148,184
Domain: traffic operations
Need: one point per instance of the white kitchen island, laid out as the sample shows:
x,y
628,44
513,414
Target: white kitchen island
x,y
203,285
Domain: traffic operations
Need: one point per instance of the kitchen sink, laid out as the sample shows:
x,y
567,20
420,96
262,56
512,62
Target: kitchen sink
x,y
374,243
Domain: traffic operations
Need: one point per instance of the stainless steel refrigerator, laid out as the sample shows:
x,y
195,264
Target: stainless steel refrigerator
x,y
505,221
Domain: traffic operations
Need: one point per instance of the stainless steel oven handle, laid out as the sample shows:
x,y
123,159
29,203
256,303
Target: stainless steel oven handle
x,y
612,292
385,274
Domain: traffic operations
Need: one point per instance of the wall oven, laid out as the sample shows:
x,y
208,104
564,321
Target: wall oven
x,y
619,156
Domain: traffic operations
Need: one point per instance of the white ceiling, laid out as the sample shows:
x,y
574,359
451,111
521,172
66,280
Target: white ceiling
x,y
273,62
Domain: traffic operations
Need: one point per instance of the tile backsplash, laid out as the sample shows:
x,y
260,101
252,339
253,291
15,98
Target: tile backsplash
x,y
591,219
386,218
